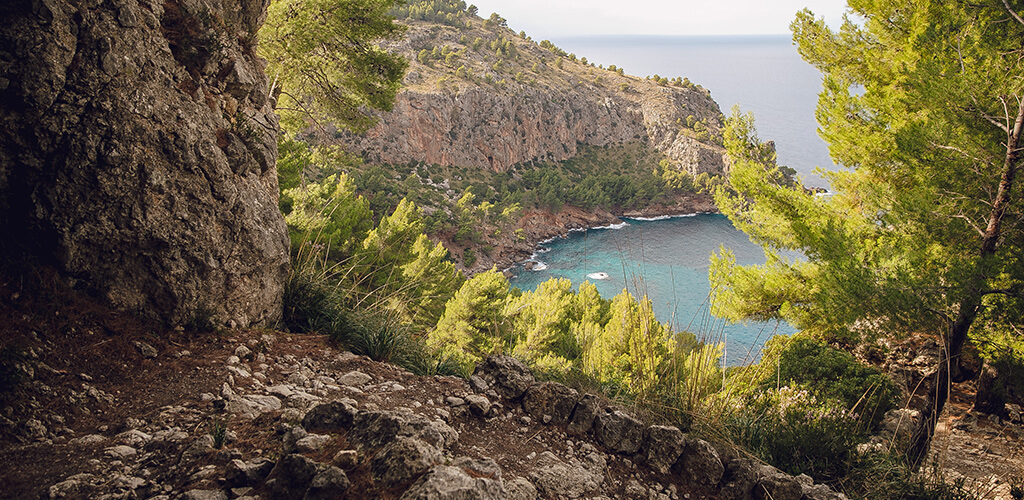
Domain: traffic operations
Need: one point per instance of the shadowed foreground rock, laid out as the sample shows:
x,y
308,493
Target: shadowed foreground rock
x,y
137,154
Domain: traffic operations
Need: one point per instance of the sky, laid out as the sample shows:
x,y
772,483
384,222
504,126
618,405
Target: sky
x,y
543,19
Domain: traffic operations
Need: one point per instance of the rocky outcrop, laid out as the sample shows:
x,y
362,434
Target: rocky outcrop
x,y
483,128
507,108
137,154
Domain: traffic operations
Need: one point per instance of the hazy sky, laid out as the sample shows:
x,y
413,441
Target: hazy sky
x,y
558,18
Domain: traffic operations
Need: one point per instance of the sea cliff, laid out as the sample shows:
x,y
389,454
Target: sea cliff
x,y
522,103
483,98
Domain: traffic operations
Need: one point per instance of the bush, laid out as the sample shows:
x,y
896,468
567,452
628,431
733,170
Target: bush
x,y
883,476
830,375
798,433
314,302
386,340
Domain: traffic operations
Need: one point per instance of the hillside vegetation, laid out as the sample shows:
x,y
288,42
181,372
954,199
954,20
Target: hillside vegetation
x,y
137,172
491,126
466,139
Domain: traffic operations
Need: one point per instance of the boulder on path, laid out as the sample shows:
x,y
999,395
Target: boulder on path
x,y
446,482
550,399
333,416
506,375
699,463
619,431
583,416
403,459
375,429
662,447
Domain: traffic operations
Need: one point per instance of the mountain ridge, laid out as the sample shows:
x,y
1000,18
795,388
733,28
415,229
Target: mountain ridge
x,y
489,98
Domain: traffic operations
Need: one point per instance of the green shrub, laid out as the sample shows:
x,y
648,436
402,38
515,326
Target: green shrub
x,y
468,257
832,375
314,302
798,433
219,431
385,339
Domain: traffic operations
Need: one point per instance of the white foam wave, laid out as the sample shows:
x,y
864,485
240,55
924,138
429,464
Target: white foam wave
x,y
538,266
665,217
612,226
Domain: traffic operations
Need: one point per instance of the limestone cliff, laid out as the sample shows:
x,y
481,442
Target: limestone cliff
x,y
494,108
137,154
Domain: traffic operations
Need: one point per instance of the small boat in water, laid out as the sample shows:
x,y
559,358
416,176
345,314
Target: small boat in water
x,y
598,276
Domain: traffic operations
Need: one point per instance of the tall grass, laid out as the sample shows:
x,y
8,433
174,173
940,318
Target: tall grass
x,y
332,298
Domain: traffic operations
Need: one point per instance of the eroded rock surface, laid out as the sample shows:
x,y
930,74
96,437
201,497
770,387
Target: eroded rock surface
x,y
137,154
473,124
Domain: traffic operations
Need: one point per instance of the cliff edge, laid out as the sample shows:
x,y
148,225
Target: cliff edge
x,y
480,96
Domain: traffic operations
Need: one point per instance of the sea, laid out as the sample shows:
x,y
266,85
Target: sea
x,y
667,259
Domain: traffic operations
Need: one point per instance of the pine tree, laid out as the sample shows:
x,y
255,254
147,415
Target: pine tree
x,y
323,59
474,325
924,101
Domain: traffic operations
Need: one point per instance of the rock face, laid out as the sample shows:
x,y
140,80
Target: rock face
x,y
137,154
538,115
486,129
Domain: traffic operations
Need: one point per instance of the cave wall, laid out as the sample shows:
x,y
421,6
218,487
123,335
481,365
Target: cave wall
x,y
137,155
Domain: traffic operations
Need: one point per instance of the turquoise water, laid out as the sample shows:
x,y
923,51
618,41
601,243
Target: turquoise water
x,y
668,259
665,259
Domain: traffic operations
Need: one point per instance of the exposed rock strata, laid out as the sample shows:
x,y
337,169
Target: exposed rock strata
x,y
483,128
462,121
137,154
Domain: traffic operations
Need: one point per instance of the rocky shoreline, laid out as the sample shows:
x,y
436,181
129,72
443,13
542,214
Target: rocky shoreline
x,y
539,226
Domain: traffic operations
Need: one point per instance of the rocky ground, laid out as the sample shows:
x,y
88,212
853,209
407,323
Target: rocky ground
x,y
984,451
99,405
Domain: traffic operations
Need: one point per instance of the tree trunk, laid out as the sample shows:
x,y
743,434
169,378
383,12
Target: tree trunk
x,y
950,369
989,244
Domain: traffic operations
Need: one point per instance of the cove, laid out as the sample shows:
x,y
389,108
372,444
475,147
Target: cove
x,y
666,259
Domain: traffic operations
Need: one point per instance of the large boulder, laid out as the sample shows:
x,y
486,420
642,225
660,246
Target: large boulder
x,y
332,416
137,155
662,446
446,482
403,459
374,429
505,375
555,478
292,475
551,400
619,431
583,416
699,463
240,474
